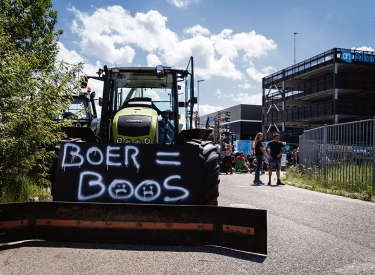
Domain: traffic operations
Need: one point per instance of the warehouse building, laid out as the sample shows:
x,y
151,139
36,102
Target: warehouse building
x,y
244,120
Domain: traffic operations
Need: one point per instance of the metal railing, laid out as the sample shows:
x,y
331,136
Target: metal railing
x,y
341,155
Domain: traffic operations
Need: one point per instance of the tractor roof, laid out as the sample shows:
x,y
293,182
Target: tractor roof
x,y
139,77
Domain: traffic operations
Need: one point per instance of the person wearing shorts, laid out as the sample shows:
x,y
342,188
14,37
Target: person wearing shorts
x,y
276,150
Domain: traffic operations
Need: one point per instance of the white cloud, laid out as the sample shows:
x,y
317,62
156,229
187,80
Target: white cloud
x,y
245,98
258,75
246,85
254,45
113,35
68,56
103,38
73,57
220,94
208,109
180,3
197,30
153,60
364,48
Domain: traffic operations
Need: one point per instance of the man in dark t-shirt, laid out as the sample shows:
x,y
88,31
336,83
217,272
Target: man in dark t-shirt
x,y
276,150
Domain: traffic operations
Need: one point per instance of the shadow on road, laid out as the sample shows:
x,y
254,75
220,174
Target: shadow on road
x,y
264,185
131,247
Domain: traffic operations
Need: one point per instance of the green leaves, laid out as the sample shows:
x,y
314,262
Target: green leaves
x,y
30,24
33,88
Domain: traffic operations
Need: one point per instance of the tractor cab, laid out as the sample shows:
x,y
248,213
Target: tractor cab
x,y
143,108
141,104
81,110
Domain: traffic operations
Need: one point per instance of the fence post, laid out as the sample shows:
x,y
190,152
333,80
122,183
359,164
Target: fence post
x,y
373,156
325,152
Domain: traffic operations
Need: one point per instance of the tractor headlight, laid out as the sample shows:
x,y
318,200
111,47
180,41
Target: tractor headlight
x,y
147,140
119,140
128,141
138,141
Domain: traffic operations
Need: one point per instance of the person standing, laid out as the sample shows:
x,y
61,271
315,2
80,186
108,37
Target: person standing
x,y
276,152
259,150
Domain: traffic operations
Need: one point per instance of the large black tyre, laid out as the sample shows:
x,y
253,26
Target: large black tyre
x,y
210,170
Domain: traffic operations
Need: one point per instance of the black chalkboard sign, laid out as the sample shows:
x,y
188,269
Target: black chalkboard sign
x,y
135,173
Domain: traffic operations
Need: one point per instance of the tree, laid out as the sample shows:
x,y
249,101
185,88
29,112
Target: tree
x,y
30,25
33,88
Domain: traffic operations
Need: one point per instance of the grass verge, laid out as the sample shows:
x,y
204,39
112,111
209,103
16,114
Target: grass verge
x,y
295,177
25,190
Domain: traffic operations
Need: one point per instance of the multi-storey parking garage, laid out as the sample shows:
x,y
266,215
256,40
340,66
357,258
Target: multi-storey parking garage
x,y
333,87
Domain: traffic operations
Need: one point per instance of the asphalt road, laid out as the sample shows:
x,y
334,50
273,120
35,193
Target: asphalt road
x,y
308,233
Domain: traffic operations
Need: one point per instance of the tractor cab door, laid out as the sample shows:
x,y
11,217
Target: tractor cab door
x,y
189,94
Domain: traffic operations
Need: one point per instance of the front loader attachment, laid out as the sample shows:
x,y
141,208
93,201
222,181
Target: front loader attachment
x,y
128,173
236,228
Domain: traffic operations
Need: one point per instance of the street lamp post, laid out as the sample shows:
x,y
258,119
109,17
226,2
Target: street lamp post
x,y
295,47
198,95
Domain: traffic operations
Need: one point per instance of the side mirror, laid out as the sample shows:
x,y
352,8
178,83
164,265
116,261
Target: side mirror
x,y
159,71
185,73
83,81
100,101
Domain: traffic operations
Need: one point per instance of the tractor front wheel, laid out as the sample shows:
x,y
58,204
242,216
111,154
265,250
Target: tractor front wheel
x,y
210,170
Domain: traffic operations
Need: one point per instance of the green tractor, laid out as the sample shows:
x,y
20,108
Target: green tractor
x,y
142,175
140,129
82,109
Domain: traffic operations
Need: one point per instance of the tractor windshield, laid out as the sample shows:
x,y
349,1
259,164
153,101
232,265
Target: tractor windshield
x,y
160,97
142,84
79,109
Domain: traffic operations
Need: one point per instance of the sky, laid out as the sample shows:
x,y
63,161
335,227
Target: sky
x,y
234,43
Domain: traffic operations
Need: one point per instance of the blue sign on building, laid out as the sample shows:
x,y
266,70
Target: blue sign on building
x,y
244,146
347,56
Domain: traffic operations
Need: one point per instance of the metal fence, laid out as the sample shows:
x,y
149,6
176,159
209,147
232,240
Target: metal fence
x,y
341,155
